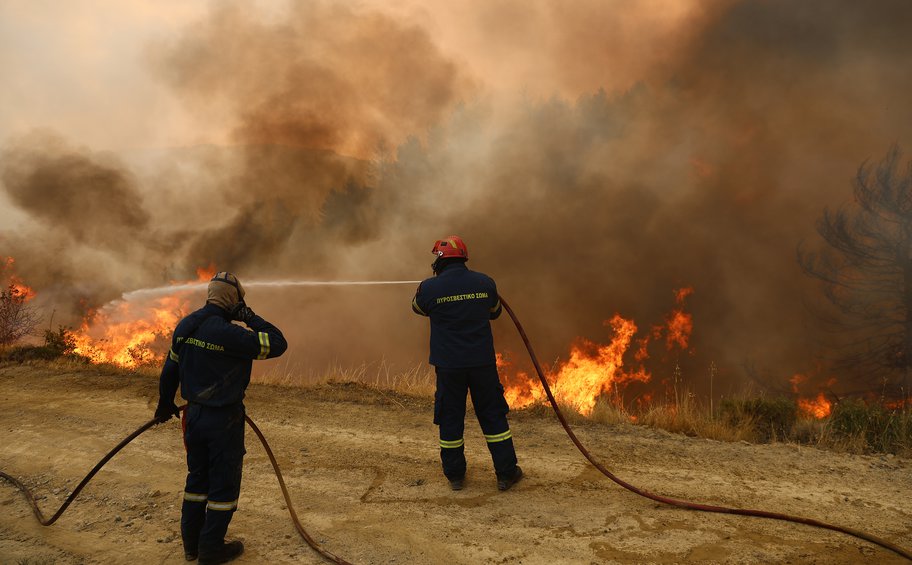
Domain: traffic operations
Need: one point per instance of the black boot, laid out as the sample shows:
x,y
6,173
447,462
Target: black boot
x,y
507,482
228,552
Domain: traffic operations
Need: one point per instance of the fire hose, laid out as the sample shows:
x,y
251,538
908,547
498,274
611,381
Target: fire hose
x,y
563,421
677,502
275,466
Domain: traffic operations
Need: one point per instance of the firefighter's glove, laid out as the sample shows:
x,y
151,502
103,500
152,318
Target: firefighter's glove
x,y
242,313
165,411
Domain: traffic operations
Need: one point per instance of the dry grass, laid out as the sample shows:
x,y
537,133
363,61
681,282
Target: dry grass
x,y
605,412
689,418
853,427
416,381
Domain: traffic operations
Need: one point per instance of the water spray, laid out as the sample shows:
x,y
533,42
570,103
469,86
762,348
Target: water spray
x,y
188,287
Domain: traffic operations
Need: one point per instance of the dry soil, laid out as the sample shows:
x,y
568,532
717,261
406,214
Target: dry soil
x,y
362,467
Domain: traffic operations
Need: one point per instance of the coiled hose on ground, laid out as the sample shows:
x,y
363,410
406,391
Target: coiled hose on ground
x,y
560,416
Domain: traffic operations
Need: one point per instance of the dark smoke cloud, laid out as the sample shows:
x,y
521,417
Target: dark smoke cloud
x,y
324,76
92,233
322,81
359,142
708,179
92,198
791,98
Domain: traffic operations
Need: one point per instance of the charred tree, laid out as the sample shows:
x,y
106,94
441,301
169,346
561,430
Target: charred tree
x,y
864,270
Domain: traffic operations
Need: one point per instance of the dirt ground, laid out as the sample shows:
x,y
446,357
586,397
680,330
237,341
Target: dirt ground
x,y
362,467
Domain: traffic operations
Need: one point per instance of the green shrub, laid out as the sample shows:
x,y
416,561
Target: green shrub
x,y
850,417
24,353
771,418
809,431
56,344
61,341
880,429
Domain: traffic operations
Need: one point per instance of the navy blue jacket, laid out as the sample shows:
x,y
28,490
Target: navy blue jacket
x,y
461,304
211,358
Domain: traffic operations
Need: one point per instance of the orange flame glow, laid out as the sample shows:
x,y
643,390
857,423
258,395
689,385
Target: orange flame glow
x,y
130,335
205,274
14,283
135,333
520,390
679,323
22,289
818,407
596,369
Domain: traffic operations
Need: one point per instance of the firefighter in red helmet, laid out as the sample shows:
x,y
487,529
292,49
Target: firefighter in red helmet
x,y
461,304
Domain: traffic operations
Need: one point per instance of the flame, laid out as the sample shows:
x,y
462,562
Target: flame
x,y
205,274
642,352
520,390
128,334
21,289
818,407
679,323
902,404
134,333
593,369
15,284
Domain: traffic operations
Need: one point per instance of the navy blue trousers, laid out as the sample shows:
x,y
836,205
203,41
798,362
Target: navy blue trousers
x,y
490,408
215,457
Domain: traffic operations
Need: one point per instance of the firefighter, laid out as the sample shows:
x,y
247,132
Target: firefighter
x,y
460,304
211,358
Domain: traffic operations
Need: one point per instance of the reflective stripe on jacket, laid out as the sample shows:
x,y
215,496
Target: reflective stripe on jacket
x,y
211,357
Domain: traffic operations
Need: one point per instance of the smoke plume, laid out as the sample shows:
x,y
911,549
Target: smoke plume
x,y
595,160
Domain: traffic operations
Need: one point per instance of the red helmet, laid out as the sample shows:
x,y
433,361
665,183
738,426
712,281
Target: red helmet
x,y
451,246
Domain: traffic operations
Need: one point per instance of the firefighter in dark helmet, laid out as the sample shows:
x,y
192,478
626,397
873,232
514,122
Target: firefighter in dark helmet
x,y
211,358
461,303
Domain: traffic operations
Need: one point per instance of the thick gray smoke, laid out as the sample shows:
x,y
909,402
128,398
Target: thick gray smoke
x,y
359,142
91,233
